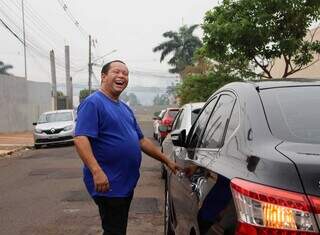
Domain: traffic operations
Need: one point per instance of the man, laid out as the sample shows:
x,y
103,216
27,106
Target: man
x,y
109,142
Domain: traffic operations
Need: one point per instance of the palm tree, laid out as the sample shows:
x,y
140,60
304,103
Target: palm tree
x,y
4,67
182,44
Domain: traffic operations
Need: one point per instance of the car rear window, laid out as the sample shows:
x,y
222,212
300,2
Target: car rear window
x,y
293,113
173,113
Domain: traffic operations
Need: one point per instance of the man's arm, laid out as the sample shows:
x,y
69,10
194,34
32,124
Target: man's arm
x,y
150,149
84,150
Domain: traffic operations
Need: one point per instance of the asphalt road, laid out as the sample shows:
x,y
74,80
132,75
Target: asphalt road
x,y
42,193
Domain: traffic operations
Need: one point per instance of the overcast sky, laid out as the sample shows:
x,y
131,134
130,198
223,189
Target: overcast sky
x,y
132,28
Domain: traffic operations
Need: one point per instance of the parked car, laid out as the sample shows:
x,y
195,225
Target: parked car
x,y
251,162
166,122
54,127
156,122
183,121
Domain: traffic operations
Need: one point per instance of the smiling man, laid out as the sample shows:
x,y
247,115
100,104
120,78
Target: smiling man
x,y
109,142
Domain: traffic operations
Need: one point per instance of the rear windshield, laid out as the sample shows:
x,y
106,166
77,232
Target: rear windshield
x,y
293,113
55,117
173,113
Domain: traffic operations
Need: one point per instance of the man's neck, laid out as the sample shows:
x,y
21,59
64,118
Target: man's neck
x,y
109,94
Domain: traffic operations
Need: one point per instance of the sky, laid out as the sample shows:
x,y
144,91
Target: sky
x,y
126,30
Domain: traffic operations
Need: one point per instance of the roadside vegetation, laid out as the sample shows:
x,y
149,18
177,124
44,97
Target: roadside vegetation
x,y
242,40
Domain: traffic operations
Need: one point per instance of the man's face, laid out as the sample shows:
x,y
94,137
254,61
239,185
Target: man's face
x,y
116,80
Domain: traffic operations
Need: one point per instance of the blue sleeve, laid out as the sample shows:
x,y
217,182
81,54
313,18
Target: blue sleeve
x,y
87,120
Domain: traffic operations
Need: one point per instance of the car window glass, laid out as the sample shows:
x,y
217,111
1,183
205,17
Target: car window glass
x,y
215,130
178,120
234,121
293,113
194,114
173,113
199,125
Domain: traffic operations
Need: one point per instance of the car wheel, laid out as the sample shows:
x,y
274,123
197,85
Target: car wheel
x,y
167,215
37,146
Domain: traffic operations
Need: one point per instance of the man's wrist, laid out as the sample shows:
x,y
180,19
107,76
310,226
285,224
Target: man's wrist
x,y
96,170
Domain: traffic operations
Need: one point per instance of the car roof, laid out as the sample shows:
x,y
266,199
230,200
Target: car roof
x,y
289,82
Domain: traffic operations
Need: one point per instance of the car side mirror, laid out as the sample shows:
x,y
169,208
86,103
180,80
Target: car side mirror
x,y
34,123
178,137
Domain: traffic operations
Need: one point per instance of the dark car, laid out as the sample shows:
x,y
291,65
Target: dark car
x,y
252,163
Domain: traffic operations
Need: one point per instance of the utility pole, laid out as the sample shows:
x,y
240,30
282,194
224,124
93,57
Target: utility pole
x,y
24,40
54,80
68,80
90,67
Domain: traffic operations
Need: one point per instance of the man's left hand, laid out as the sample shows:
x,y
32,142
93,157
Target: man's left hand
x,y
173,166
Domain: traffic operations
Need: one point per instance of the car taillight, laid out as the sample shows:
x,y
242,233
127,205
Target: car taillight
x,y
266,210
315,202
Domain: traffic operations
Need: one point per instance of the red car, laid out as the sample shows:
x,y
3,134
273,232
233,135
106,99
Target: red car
x,y
166,122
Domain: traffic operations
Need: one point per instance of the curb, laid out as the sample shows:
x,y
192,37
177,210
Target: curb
x,y
19,148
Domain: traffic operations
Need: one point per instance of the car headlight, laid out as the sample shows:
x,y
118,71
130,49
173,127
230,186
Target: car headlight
x,y
68,128
38,131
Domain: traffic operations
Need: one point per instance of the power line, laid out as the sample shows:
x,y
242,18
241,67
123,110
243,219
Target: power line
x,y
72,18
11,31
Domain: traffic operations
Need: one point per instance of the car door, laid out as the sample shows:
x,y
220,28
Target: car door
x,y
213,195
209,193
180,185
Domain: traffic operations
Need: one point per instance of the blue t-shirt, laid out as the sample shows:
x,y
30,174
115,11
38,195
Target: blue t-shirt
x,y
114,136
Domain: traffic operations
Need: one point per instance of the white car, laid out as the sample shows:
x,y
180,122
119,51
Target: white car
x,y
54,127
183,121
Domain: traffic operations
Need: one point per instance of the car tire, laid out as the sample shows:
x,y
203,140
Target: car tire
x,y
37,146
167,215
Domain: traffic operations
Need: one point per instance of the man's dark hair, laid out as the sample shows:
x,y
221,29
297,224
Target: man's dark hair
x,y
105,69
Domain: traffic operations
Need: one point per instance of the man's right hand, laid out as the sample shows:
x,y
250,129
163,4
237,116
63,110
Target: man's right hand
x,y
101,182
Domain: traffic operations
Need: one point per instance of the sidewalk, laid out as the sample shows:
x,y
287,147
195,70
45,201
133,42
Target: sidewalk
x,y
12,142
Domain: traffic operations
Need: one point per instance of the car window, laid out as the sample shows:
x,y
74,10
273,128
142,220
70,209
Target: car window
x,y
173,113
215,131
234,121
199,125
194,114
293,113
178,120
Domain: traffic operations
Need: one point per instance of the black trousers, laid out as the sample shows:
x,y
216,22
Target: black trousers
x,y
114,214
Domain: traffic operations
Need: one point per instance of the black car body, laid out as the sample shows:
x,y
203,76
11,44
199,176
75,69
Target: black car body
x,y
252,162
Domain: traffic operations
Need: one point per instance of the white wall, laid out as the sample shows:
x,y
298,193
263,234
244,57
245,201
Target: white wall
x,y
21,102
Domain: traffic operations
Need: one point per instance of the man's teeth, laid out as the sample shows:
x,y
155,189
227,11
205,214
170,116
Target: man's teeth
x,y
119,82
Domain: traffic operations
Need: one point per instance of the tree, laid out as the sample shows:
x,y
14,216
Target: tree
x,y
84,93
182,44
251,34
130,98
161,99
4,68
198,87
60,94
